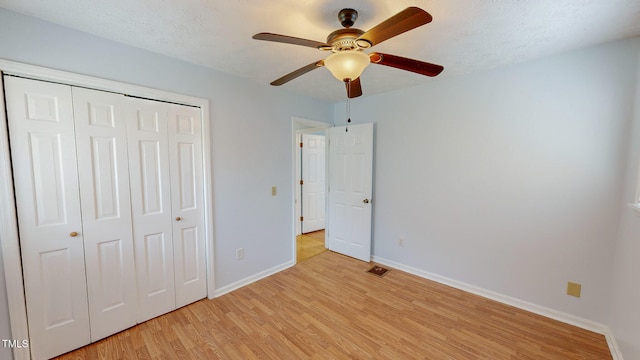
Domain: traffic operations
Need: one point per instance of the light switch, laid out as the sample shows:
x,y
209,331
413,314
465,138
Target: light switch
x,y
274,191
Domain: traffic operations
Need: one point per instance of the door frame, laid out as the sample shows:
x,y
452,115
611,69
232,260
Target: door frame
x,y
8,217
299,126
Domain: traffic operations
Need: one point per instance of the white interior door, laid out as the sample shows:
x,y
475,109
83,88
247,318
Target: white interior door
x,y
43,153
101,140
350,188
151,206
313,178
185,158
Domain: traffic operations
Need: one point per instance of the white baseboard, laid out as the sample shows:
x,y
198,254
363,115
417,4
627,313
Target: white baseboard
x,y
521,304
616,354
253,278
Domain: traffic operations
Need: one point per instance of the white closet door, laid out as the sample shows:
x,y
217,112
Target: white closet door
x,y
101,140
185,154
51,237
314,183
151,206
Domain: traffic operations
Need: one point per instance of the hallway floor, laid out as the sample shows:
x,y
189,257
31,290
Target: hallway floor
x,y
309,245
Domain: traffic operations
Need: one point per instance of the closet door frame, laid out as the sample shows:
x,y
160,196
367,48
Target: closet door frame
x,y
8,218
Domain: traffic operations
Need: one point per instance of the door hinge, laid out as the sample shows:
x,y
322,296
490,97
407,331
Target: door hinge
x,y
301,182
301,218
300,144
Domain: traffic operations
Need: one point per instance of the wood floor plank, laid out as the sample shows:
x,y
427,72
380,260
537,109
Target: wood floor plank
x,y
328,307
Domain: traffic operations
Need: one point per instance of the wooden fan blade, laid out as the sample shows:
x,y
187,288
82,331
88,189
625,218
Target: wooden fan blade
x,y
403,63
289,40
405,20
354,88
294,74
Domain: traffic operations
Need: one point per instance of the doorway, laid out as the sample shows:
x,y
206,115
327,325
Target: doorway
x,y
349,176
309,180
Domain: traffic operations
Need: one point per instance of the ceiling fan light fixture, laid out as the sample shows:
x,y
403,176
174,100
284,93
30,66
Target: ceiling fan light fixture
x,y
347,65
348,61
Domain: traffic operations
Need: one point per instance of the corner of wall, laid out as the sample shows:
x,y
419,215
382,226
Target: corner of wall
x,y
624,318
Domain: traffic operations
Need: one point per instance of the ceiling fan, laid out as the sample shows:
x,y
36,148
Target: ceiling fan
x,y
348,60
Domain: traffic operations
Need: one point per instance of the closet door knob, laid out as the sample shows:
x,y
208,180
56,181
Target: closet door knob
x,y
178,218
73,234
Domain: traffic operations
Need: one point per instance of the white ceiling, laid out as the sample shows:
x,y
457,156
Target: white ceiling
x,y
465,36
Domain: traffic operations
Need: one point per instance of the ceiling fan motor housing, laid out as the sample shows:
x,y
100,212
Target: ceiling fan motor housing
x,y
344,39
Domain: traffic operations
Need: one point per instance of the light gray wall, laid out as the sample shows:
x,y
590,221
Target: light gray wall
x,y
625,304
250,133
508,180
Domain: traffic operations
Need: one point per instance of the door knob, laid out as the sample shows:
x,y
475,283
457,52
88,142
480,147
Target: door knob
x,y
366,201
178,218
73,234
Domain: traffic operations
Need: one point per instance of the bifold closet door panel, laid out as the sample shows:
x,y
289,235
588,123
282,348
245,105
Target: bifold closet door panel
x,y
151,206
41,129
101,141
187,202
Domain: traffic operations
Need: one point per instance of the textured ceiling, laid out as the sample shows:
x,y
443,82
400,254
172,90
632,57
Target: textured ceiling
x,y
465,36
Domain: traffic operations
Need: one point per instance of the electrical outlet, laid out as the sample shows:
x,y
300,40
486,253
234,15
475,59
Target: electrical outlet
x,y
574,289
274,191
401,242
239,253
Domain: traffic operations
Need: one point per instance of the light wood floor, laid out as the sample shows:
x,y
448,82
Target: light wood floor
x,y
309,245
328,307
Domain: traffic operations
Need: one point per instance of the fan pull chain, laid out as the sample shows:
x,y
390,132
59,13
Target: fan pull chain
x,y
346,129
